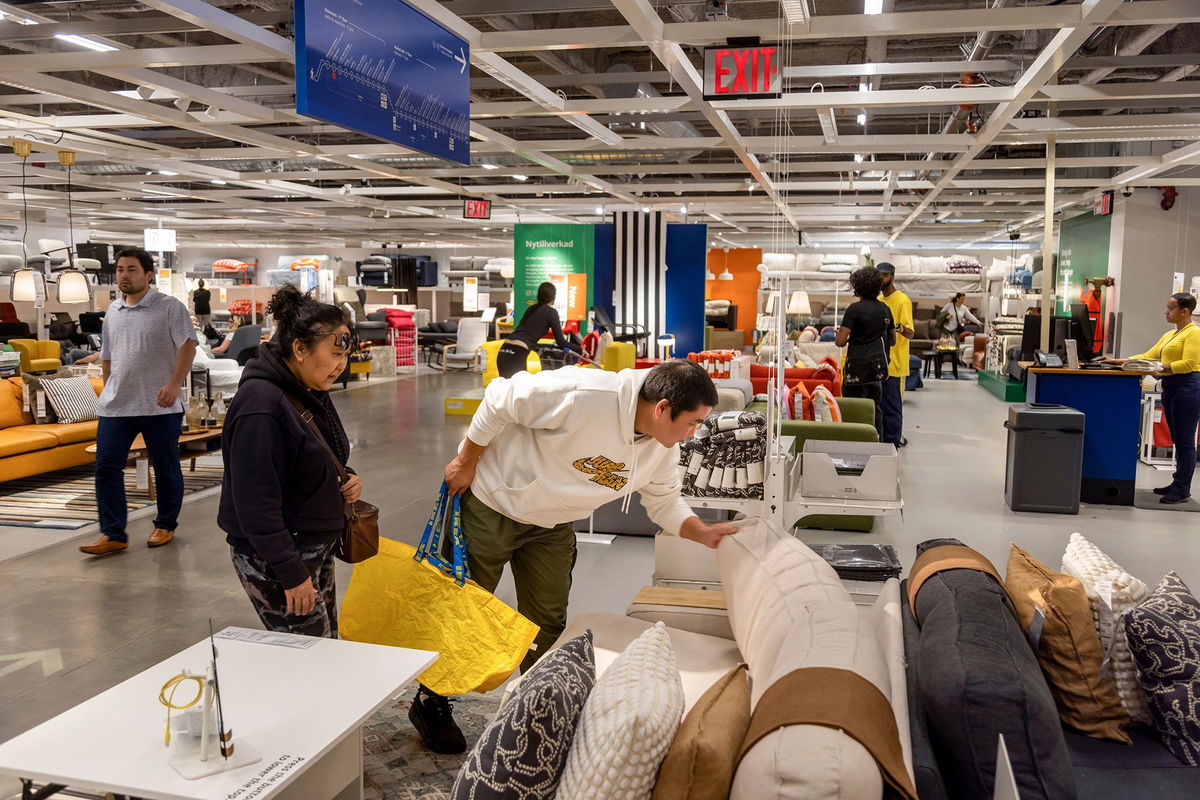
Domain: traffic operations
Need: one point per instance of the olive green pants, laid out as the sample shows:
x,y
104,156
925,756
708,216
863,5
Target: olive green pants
x,y
541,560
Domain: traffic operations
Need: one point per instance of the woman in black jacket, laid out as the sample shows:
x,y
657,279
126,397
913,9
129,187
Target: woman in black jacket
x,y
868,333
537,320
282,505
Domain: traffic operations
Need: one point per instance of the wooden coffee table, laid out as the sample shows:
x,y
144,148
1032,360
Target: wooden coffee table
x,y
191,447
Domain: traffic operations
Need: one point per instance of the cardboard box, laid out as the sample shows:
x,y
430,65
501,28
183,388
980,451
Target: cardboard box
x,y
879,479
716,339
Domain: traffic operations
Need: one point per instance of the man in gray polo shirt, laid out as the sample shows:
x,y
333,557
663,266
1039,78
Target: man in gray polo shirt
x,y
147,350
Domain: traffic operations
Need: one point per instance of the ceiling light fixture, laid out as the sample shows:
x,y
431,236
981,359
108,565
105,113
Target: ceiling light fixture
x,y
828,124
344,190
861,119
858,157
864,86
167,172
521,178
82,42
218,181
183,104
683,209
872,6
796,11
489,166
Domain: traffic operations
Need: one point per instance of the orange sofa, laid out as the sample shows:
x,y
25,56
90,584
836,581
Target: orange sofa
x,y
760,374
30,449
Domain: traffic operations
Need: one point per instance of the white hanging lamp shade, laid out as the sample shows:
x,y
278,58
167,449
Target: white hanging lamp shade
x,y
709,275
73,287
772,300
798,303
726,275
24,286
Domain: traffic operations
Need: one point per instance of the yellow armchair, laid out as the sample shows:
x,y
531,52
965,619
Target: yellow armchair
x,y
491,371
38,355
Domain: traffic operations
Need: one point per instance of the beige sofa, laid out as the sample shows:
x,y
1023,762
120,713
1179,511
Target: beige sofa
x,y
787,611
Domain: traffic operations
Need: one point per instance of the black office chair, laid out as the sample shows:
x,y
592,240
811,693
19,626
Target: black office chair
x,y
639,335
244,345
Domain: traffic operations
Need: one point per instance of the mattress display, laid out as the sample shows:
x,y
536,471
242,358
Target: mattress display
x,y
727,456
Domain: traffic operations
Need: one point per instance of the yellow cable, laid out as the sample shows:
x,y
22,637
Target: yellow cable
x,y
166,696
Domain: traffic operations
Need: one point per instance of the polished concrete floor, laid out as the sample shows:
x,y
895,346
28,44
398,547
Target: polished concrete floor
x,y
83,625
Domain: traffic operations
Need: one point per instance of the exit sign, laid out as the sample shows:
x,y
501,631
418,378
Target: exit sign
x,y
734,72
1103,205
477,209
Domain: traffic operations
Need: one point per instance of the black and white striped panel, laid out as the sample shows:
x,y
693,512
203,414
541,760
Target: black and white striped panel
x,y
640,287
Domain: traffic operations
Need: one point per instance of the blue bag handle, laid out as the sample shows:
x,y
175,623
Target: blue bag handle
x,y
430,547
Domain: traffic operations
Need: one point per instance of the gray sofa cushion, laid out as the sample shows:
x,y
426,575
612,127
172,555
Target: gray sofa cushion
x,y
977,678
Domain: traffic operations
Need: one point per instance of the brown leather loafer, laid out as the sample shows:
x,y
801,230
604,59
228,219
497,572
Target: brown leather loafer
x,y
103,546
160,537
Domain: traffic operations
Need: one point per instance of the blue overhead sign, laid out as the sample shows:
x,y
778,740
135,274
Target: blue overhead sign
x,y
383,68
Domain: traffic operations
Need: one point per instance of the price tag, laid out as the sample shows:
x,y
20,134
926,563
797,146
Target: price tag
x,y
25,404
41,405
142,475
1106,622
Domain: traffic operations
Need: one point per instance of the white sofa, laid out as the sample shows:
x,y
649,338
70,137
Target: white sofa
x,y
787,611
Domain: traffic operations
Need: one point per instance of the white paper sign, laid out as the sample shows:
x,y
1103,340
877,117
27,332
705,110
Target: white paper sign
x,y
223,294
1177,284
159,240
470,295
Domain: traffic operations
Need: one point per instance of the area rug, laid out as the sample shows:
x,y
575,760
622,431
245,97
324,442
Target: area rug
x,y
66,499
396,766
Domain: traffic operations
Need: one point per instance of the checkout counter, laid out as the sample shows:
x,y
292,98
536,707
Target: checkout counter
x,y
1111,401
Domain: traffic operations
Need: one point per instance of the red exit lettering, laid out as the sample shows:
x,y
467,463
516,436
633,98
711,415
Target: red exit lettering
x,y
753,70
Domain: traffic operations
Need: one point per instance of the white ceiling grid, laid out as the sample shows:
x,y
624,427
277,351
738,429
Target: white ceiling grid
x,y
183,111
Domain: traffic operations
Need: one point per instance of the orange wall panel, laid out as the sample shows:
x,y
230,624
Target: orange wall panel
x,y
742,291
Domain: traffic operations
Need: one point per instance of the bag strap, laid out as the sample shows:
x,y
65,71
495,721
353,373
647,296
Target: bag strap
x,y
447,509
307,417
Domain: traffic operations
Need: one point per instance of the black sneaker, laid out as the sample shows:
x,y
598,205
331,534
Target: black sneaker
x,y
1162,490
1174,499
433,717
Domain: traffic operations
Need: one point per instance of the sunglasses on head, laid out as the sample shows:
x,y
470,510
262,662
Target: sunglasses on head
x,y
343,341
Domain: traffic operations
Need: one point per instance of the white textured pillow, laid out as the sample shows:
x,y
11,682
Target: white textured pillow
x,y
837,266
73,399
779,260
627,725
808,261
1111,592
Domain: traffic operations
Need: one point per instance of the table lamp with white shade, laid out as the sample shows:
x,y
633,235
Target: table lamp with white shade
x,y
798,304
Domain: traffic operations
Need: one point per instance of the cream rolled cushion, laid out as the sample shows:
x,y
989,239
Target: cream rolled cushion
x,y
627,724
779,260
789,611
808,261
1101,577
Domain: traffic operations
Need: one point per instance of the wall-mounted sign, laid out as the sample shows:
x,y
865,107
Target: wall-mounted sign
x,y
160,240
383,68
1103,205
731,73
470,295
477,209
571,298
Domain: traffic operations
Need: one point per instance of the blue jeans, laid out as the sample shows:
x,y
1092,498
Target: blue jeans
x,y
114,436
1181,407
892,404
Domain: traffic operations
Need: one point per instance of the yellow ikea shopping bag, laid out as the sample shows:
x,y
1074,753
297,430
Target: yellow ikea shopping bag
x,y
404,597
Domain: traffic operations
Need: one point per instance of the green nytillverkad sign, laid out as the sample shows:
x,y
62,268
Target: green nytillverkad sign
x,y
542,252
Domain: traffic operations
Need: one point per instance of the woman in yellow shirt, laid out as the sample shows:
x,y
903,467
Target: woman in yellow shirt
x,y
1179,352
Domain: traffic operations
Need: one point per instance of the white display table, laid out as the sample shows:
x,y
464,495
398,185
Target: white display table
x,y
302,708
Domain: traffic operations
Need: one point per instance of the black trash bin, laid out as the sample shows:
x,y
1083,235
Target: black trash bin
x,y
1044,467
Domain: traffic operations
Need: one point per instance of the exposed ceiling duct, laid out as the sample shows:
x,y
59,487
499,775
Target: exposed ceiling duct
x,y
630,91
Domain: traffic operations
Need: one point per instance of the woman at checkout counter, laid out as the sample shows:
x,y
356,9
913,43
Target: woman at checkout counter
x,y
1179,352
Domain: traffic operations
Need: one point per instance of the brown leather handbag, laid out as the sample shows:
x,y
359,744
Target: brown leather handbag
x,y
360,538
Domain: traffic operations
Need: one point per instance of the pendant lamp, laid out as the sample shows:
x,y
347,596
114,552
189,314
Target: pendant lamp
x,y
24,286
74,287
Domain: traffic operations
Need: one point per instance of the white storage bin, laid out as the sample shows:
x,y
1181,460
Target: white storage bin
x,y
879,479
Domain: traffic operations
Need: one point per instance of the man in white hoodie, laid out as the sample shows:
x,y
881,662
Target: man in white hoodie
x,y
546,450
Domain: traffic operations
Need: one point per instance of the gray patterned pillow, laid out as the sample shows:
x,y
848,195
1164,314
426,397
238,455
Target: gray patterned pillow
x,y
1164,637
521,755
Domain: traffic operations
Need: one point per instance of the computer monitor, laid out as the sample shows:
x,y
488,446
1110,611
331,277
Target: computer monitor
x,y
1031,336
1085,333
1063,328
